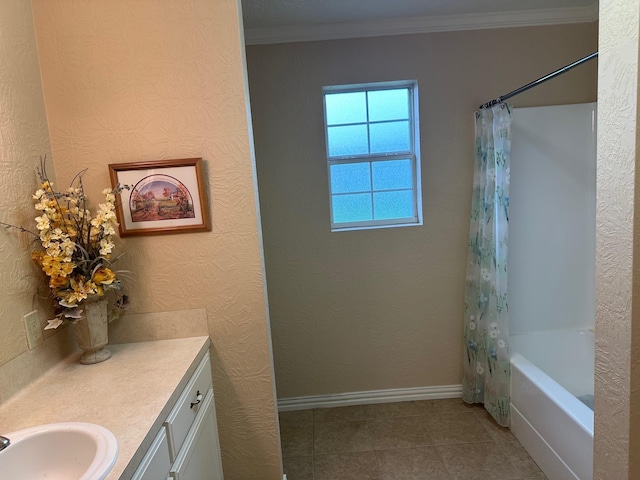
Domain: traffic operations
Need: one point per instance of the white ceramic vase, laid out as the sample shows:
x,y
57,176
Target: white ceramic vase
x,y
91,331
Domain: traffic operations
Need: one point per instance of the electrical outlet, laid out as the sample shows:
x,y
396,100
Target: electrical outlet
x,y
34,329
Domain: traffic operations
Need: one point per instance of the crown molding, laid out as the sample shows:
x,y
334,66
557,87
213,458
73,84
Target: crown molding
x,y
412,25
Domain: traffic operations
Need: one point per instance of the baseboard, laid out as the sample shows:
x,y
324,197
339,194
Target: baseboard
x,y
373,396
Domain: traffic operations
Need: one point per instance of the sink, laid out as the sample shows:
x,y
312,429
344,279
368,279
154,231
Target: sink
x,y
59,451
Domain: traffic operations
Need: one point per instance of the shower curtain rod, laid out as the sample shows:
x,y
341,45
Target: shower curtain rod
x,y
538,82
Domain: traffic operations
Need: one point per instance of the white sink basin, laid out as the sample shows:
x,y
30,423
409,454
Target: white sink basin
x,y
59,451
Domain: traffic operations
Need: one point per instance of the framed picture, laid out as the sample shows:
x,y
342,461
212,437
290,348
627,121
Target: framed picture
x,y
164,196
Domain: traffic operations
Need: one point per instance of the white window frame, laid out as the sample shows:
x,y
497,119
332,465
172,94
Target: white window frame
x,y
413,155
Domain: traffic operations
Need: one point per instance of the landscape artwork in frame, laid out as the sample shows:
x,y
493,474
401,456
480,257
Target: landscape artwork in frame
x,y
164,196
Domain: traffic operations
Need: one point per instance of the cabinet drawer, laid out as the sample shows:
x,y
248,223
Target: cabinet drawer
x,y
200,457
156,463
183,414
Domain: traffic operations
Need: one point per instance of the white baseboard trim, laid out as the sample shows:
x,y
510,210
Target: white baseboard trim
x,y
373,396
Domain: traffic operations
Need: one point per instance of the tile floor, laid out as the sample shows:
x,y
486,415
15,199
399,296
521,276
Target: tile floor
x,y
425,440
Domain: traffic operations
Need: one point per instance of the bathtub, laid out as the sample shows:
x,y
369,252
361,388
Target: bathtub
x,y
550,371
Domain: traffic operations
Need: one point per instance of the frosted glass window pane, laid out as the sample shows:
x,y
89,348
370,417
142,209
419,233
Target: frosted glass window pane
x,y
398,204
389,105
350,177
346,108
350,140
351,208
392,174
390,137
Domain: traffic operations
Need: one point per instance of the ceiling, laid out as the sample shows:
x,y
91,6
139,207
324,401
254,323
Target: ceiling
x,y
272,21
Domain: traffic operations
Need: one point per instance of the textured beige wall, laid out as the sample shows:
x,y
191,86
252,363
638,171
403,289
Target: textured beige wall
x,y
380,309
617,379
23,138
157,79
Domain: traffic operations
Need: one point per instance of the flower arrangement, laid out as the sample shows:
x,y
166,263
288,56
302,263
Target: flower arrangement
x,y
75,249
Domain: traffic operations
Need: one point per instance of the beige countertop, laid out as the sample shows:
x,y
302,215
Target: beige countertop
x,y
130,394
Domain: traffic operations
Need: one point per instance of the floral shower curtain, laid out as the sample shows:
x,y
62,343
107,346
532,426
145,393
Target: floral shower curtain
x,y
486,331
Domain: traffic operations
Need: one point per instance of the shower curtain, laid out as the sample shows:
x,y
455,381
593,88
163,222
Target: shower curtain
x,y
486,331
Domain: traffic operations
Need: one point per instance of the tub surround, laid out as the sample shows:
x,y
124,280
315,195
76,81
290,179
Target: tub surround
x,y
130,394
553,183
553,188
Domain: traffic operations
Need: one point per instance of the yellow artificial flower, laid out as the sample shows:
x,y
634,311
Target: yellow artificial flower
x,y
58,282
80,290
36,256
53,266
71,231
103,276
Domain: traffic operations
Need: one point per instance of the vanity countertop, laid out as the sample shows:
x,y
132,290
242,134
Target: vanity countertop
x,y
130,394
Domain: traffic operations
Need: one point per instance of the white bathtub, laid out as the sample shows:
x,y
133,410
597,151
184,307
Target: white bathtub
x,y
548,371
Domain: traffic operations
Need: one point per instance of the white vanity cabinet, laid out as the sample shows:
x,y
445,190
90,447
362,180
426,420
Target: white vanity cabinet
x,y
187,446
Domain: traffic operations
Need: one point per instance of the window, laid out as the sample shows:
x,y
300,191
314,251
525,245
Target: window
x,y
372,155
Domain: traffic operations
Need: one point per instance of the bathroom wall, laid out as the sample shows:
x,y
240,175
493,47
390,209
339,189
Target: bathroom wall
x,y
617,379
382,309
158,79
552,218
23,138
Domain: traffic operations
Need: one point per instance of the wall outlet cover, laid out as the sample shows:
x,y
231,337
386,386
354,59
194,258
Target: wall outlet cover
x,y
33,329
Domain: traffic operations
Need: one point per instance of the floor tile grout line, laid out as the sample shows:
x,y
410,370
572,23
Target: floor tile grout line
x,y
408,447
313,445
423,445
515,464
427,416
373,449
438,414
443,462
520,476
500,447
508,457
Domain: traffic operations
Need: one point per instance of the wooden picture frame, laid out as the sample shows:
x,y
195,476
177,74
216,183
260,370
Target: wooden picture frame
x,y
163,196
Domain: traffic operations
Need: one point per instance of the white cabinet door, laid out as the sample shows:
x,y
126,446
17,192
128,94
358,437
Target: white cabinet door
x,y
156,463
199,457
183,415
